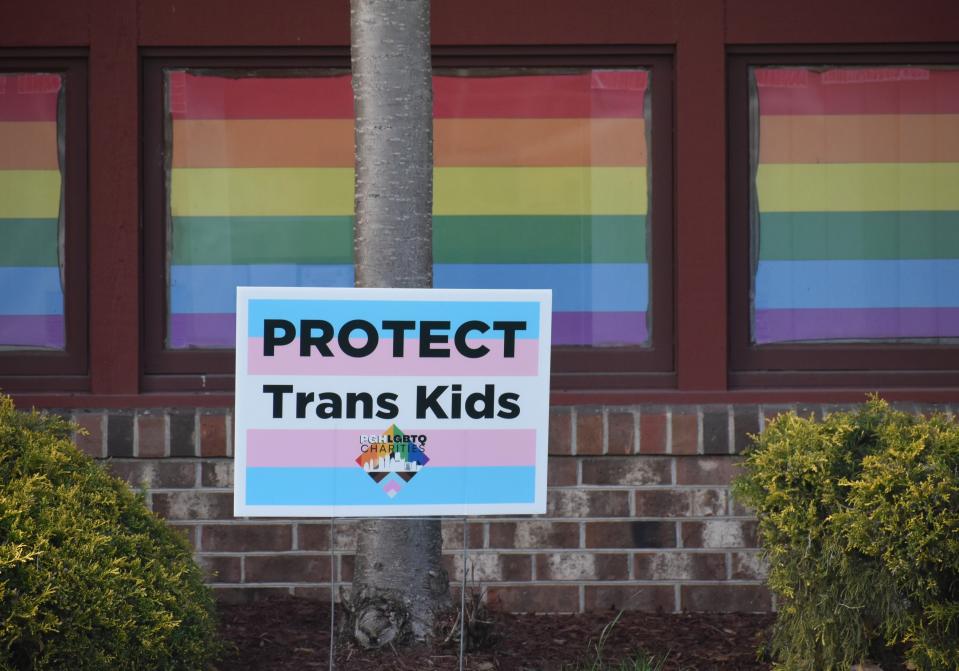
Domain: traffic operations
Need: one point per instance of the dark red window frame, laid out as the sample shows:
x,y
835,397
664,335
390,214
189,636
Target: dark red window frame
x,y
39,370
574,368
813,364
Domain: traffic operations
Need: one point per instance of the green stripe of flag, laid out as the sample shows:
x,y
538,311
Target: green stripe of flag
x,y
540,239
252,240
456,239
858,235
29,242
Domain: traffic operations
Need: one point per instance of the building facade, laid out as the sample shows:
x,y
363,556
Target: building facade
x,y
742,208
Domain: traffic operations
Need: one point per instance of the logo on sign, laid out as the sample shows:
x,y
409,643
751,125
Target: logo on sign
x,y
392,458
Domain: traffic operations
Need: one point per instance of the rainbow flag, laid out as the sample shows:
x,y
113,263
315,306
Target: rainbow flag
x,y
31,303
540,182
857,178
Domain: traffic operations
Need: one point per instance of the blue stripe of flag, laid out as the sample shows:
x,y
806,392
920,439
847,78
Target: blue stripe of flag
x,y
907,283
583,287
30,290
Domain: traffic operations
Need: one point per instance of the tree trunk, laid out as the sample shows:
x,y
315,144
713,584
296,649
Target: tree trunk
x,y
399,584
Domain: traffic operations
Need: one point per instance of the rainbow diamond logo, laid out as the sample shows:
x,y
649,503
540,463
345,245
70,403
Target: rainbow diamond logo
x,y
392,458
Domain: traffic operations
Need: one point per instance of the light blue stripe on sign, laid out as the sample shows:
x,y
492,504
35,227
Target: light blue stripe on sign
x,y
33,290
338,312
353,487
213,288
907,283
577,287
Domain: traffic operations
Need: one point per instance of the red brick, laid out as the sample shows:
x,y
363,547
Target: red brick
x,y
561,472
313,536
250,594
589,432
748,566
706,470
652,433
621,430
453,534
217,473
586,503
680,566
246,537
151,436
745,425
287,568
648,598
482,567
685,433
582,566
344,535
193,505
715,430
120,434
155,474
560,431
627,471
213,435
347,563
313,593
516,568
541,599
680,502
630,534
92,443
725,598
221,569
719,534
538,534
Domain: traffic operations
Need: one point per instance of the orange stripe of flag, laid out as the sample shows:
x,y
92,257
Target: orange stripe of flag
x,y
28,145
293,143
877,138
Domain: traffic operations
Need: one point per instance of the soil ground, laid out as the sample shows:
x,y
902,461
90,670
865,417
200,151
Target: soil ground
x,y
286,634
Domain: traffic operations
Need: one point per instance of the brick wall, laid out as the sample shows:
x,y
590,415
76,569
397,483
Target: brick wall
x,y
639,513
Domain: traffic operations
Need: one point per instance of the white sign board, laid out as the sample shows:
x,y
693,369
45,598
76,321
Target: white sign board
x,y
389,402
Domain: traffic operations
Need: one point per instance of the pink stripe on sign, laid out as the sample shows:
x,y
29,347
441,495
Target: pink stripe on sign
x,y
286,360
332,448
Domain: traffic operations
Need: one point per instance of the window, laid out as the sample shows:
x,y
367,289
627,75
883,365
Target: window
x,y
845,218
42,222
542,180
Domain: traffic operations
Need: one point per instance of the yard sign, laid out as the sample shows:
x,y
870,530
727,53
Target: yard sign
x,y
388,402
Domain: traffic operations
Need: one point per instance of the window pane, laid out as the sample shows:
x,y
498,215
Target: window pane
x,y
31,216
856,204
540,182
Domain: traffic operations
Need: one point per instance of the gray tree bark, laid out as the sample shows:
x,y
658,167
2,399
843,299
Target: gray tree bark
x,y
399,584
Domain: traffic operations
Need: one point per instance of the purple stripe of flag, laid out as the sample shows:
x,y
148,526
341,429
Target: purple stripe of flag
x,y
32,331
600,328
855,324
202,329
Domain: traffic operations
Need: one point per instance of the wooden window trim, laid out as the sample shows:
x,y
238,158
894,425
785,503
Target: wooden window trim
x,y
813,364
574,368
65,370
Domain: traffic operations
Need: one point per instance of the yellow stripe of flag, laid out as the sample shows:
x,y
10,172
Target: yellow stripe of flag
x,y
858,187
29,194
457,191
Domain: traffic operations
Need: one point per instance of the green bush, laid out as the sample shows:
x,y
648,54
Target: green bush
x,y
89,578
859,519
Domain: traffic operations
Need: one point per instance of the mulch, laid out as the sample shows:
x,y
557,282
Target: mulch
x,y
286,633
